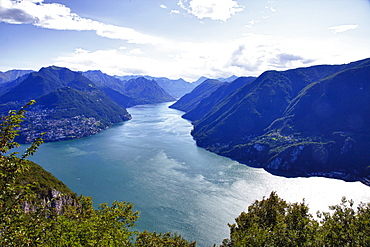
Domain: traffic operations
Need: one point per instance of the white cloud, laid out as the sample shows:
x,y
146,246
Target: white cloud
x,y
175,11
251,23
137,51
163,6
342,28
246,56
80,50
213,9
59,17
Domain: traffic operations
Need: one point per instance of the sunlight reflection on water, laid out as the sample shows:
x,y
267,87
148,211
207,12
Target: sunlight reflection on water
x,y
153,162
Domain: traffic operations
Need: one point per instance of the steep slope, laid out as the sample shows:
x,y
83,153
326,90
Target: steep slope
x,y
68,113
145,91
192,99
252,108
103,80
208,103
45,81
112,86
135,91
298,122
176,88
70,102
9,85
11,75
334,115
68,105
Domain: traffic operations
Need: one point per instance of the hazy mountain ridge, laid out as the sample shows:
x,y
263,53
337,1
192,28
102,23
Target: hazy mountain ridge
x,y
13,74
191,100
146,91
176,88
300,122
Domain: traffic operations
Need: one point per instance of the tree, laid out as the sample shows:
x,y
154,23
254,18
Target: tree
x,y
26,220
167,239
275,222
345,226
13,195
272,222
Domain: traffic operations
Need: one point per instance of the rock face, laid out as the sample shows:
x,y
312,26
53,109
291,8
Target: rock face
x,y
55,200
51,192
303,122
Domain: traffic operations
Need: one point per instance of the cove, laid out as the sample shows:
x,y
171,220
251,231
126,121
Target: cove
x,y
153,162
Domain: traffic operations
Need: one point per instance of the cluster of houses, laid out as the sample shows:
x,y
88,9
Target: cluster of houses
x,y
38,121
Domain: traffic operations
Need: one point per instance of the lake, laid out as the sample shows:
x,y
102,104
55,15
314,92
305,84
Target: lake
x,y
153,162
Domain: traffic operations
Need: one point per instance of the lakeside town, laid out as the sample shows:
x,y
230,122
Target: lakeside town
x,y
38,121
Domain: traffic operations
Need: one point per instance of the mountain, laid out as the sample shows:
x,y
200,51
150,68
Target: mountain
x,y
103,80
146,91
192,99
228,79
125,95
68,102
11,75
206,104
334,114
200,80
9,85
112,86
253,107
68,105
203,78
45,81
269,121
176,88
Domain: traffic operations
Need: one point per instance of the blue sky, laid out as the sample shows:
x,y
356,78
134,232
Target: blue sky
x,y
182,38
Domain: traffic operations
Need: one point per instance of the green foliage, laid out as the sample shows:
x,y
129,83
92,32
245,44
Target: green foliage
x,y
274,222
167,239
27,219
346,226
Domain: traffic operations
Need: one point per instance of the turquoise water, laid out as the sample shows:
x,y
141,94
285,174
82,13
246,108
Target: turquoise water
x,y
153,162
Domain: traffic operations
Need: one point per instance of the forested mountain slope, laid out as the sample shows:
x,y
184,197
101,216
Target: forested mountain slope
x,y
300,122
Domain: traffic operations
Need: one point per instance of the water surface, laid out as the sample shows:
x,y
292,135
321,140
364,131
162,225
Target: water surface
x,y
153,162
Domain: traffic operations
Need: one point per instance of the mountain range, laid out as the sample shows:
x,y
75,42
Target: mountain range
x,y
11,75
136,91
70,105
299,122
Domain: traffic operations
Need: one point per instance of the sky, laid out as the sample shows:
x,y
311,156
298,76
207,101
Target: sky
x,y
182,38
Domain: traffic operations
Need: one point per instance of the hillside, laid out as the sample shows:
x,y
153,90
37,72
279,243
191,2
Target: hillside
x,y
243,125
135,91
192,99
68,105
206,104
11,75
145,91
